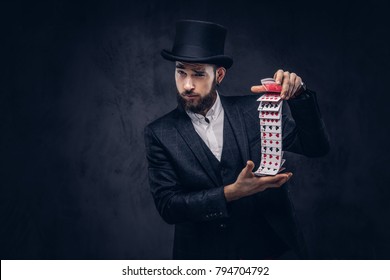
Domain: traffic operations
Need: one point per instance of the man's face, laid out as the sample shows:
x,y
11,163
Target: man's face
x,y
196,86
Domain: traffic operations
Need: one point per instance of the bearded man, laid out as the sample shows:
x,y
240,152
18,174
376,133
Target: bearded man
x,y
201,156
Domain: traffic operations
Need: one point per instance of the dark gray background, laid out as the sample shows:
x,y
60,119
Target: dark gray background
x,y
79,81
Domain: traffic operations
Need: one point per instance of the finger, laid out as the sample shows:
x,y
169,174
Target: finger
x,y
258,89
285,178
285,85
275,185
291,91
297,86
281,181
274,179
247,170
278,76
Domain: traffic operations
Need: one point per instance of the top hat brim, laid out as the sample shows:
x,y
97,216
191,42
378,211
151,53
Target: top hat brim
x,y
219,60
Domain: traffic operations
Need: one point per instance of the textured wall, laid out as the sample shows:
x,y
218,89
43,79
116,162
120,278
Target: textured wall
x,y
80,82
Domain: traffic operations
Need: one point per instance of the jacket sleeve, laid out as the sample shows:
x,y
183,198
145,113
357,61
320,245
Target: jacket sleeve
x,y
174,203
305,132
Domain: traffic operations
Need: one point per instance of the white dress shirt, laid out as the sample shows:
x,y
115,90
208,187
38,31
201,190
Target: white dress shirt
x,y
211,132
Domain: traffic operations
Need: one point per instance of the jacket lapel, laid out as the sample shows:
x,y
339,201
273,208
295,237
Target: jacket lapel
x,y
236,119
187,131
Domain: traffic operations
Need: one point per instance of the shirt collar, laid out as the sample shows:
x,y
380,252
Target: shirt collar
x,y
212,114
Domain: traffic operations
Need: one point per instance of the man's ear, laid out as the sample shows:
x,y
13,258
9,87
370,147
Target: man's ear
x,y
220,73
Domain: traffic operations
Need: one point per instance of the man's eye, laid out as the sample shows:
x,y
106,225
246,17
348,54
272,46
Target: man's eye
x,y
199,75
181,72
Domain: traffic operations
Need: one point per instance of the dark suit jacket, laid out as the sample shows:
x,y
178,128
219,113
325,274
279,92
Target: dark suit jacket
x,y
188,194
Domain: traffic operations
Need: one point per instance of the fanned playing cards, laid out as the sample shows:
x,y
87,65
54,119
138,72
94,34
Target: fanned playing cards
x,y
270,115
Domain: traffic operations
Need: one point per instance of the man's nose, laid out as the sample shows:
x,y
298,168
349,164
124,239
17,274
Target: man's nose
x,y
188,84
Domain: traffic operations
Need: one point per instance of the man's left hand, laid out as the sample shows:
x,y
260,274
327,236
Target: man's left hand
x,y
291,84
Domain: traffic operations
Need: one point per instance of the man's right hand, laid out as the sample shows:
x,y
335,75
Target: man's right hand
x,y
247,183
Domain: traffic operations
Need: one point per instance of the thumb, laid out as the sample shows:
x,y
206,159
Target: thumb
x,y
258,89
247,170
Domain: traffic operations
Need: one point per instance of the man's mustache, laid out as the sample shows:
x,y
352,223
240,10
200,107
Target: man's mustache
x,y
184,93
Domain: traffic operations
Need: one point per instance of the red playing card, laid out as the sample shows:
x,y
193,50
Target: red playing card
x,y
273,87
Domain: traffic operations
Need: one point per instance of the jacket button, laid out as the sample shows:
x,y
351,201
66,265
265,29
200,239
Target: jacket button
x,y
220,213
222,225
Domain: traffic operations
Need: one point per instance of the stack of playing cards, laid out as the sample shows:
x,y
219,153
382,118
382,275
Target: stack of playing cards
x,y
270,115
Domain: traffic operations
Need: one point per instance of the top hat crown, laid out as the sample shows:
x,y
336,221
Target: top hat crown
x,y
199,41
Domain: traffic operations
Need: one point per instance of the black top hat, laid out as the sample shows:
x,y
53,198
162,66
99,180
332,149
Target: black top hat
x,y
199,41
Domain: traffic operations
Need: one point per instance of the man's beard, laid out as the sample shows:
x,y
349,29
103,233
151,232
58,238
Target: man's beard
x,y
200,106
